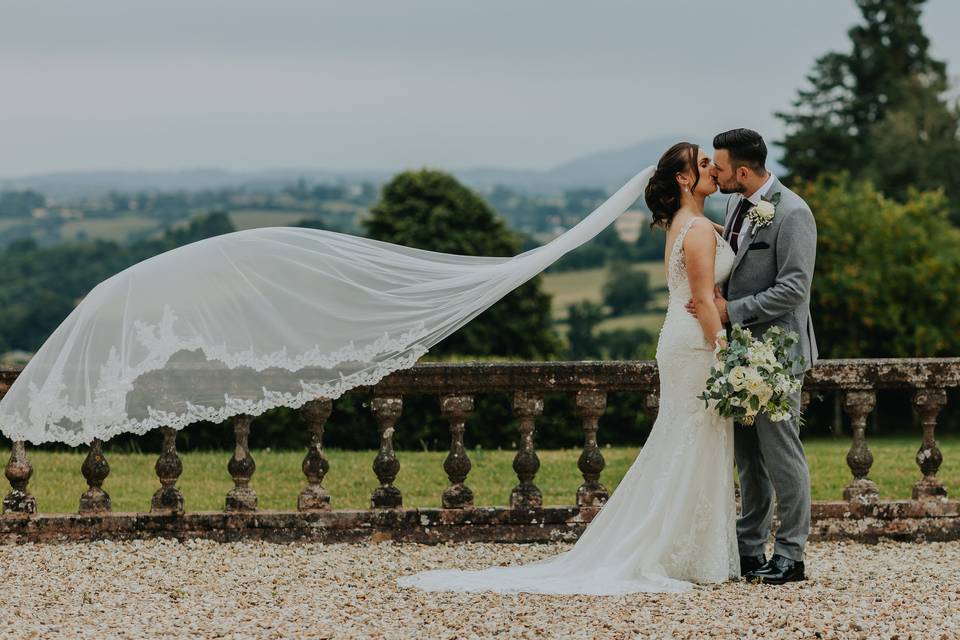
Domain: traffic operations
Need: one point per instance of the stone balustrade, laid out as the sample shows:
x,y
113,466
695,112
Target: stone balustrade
x,y
861,514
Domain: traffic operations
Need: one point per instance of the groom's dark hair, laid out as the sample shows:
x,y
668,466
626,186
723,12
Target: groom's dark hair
x,y
746,148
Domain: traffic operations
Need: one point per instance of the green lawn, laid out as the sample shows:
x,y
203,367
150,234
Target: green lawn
x,y
115,229
57,483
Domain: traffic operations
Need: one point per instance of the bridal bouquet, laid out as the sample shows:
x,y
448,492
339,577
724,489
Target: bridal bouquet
x,y
751,376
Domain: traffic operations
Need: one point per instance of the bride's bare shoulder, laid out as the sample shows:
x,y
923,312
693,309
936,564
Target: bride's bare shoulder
x,y
700,232
700,240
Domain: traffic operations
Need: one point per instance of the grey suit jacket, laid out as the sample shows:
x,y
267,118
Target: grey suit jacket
x,y
773,271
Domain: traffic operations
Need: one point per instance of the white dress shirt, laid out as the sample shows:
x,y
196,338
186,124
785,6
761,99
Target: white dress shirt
x,y
754,199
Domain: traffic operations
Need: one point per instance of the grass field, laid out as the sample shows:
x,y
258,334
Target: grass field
x,y
336,215
569,287
254,218
9,223
57,483
651,321
115,229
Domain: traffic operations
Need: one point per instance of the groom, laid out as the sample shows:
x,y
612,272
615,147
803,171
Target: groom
x,y
769,285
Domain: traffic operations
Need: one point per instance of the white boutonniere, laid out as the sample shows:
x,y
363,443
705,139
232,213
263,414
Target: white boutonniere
x,y
761,214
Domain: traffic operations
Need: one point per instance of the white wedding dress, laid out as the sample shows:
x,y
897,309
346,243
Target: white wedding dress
x,y
671,521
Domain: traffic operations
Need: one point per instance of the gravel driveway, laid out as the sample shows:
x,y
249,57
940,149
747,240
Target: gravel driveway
x,y
166,589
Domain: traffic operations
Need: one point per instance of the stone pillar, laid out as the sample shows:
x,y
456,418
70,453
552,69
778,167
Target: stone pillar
x,y
168,468
858,404
241,467
18,472
314,496
651,405
386,410
95,469
928,403
590,405
456,408
526,495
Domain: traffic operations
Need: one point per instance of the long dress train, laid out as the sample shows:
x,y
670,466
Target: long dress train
x,y
671,520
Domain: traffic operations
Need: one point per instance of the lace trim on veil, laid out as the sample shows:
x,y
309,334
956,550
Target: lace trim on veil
x,y
116,381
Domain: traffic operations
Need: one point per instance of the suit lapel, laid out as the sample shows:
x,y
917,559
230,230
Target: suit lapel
x,y
742,249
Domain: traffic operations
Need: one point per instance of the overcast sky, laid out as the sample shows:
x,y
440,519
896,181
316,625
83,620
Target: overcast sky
x,y
127,84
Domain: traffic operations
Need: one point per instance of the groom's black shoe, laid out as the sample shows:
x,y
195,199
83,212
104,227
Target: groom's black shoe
x,y
751,563
779,570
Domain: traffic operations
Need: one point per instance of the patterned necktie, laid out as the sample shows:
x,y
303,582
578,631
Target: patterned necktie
x,y
738,217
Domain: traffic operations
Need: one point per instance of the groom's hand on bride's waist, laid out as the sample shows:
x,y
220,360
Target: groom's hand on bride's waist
x,y
718,299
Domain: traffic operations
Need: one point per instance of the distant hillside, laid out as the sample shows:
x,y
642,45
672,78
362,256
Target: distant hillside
x,y
605,169
92,183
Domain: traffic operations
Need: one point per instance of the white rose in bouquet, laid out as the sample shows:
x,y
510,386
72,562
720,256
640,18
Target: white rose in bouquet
x,y
738,377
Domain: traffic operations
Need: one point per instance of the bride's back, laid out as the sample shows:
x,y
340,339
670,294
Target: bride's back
x,y
681,332
675,259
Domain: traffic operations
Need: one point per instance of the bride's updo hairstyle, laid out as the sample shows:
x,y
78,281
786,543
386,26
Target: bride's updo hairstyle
x,y
663,192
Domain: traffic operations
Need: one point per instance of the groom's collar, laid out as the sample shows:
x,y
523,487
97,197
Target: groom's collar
x,y
763,190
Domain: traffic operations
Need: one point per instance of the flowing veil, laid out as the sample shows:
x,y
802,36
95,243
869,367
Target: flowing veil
x,y
252,320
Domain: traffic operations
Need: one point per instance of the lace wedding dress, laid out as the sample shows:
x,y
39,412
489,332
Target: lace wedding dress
x,y
671,520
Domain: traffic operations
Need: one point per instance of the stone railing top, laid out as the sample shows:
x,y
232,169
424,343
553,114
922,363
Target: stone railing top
x,y
632,375
641,375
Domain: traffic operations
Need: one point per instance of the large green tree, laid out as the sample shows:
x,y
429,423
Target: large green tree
x,y
582,320
627,290
888,273
429,209
878,111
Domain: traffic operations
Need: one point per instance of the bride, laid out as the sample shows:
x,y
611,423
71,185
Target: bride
x,y
248,321
671,520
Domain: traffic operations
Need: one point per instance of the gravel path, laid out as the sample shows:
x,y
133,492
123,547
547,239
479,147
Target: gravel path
x,y
165,589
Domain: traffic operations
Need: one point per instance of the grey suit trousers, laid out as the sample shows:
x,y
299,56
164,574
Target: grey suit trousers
x,y
770,461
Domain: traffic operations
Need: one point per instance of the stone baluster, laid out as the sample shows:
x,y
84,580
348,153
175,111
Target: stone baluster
x,y
18,472
386,411
168,468
651,405
858,404
95,469
590,405
526,495
315,466
928,403
241,467
456,409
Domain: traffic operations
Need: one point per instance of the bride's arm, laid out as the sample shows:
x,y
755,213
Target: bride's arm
x,y
700,250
